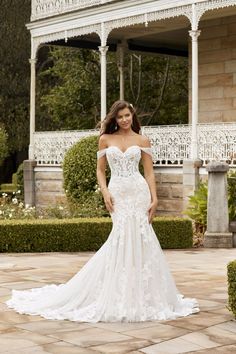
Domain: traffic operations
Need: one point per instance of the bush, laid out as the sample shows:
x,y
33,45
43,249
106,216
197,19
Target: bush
x,y
12,207
3,145
197,207
80,180
84,234
20,178
79,168
231,270
232,195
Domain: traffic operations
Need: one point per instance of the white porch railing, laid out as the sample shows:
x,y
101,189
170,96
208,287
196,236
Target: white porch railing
x,y
46,8
170,143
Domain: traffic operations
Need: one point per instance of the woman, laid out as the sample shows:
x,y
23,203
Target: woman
x,y
127,279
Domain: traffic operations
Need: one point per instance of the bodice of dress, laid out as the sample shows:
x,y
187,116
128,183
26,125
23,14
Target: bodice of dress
x,y
123,164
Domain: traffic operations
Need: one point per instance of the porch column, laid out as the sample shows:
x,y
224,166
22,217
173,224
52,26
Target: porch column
x,y
32,106
103,60
120,64
194,141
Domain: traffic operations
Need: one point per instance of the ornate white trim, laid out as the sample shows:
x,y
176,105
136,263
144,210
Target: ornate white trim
x,y
205,6
46,8
65,34
147,17
193,12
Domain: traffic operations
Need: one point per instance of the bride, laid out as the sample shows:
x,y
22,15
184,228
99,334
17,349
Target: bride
x,y
128,279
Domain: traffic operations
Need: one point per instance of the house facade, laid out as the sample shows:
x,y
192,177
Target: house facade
x,y
203,30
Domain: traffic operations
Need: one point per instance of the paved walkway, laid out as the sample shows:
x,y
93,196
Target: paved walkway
x,y
198,273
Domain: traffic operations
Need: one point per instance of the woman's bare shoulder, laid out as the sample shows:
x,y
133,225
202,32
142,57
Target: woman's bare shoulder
x,y
144,141
103,141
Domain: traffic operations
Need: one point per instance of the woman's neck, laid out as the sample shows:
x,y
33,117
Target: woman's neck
x,y
125,132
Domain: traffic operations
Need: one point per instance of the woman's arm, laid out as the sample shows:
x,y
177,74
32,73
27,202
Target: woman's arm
x,y
150,178
101,175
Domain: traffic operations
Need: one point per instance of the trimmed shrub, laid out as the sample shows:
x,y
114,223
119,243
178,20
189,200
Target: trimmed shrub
x,y
3,145
73,235
79,168
231,270
80,180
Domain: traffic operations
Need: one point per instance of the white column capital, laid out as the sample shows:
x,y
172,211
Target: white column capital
x,y
194,34
103,49
33,61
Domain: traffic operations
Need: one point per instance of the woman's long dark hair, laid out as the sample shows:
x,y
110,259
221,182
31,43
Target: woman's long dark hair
x,y
109,125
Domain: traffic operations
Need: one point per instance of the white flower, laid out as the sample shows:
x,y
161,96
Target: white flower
x,y
60,207
1,212
10,215
19,191
27,206
14,200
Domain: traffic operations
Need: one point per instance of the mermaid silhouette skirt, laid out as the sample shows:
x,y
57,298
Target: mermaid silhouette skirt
x,y
127,279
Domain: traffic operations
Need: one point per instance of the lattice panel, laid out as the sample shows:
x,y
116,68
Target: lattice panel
x,y
50,147
170,144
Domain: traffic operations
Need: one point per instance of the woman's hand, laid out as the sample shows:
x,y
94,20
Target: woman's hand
x,y
152,210
109,201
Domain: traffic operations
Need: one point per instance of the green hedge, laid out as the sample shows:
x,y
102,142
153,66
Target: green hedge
x,y
73,235
231,268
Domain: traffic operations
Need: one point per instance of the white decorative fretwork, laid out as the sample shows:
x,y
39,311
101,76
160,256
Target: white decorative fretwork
x,y
46,8
170,143
70,33
142,15
50,147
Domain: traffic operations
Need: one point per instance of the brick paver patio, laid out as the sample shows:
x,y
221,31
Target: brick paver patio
x,y
199,273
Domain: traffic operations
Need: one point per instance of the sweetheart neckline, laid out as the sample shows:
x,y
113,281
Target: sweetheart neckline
x,y
123,152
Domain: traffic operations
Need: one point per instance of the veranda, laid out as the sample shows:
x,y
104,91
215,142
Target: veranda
x,y
203,30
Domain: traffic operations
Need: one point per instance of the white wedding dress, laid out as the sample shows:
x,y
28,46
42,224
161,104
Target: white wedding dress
x,y
128,278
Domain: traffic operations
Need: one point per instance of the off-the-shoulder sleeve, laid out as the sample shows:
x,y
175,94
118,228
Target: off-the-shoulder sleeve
x,y
101,153
148,150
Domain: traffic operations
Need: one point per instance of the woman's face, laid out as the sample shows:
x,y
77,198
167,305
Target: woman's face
x,y
124,119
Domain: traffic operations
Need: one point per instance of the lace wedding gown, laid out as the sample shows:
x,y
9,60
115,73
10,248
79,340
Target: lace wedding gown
x,y
128,278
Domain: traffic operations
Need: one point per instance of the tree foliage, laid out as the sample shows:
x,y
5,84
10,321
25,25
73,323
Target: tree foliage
x,y
14,71
3,145
69,94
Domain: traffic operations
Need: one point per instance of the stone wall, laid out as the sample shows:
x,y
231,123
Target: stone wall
x,y
48,186
49,189
217,70
169,190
